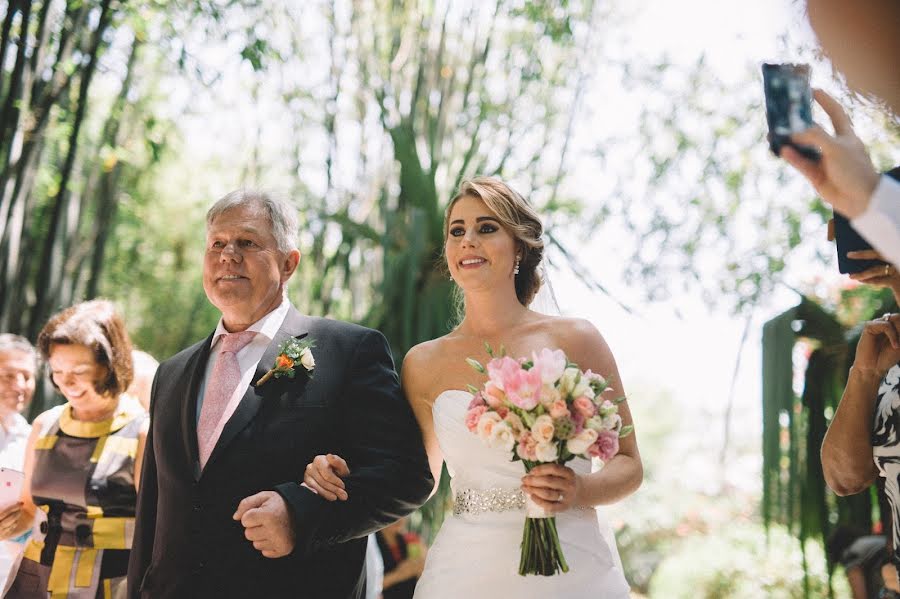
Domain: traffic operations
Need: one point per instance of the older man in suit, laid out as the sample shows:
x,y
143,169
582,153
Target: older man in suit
x,y
221,512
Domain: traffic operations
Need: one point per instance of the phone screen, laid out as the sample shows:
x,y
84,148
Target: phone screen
x,y
788,105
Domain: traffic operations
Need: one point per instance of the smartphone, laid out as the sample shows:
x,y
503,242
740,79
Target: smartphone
x,y
848,240
788,106
10,486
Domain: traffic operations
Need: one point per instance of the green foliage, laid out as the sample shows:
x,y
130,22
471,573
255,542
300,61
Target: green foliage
x,y
745,561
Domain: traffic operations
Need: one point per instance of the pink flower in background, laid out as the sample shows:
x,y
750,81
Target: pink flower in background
x,y
558,409
523,388
501,370
477,400
550,364
606,446
473,415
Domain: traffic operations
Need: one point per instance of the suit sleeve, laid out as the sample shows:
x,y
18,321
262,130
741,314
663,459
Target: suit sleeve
x,y
381,441
145,514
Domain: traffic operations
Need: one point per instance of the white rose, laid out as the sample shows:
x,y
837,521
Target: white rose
x,y
486,424
515,423
542,429
502,436
549,394
594,423
306,358
607,408
546,452
613,422
583,389
568,380
580,442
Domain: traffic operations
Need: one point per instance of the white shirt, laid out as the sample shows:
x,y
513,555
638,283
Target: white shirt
x,y
880,223
13,439
249,356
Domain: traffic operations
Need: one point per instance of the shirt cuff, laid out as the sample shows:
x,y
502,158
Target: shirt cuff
x,y
879,224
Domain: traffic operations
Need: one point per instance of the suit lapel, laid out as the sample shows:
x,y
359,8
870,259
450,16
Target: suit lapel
x,y
196,370
293,326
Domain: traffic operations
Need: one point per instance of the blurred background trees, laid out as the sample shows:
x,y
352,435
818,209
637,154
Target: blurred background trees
x,y
120,122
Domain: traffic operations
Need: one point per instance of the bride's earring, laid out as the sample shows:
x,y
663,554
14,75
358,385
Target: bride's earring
x,y
516,269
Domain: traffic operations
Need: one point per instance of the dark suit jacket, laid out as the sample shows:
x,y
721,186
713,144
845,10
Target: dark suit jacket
x,y
186,544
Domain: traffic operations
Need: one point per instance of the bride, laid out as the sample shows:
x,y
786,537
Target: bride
x,y
493,249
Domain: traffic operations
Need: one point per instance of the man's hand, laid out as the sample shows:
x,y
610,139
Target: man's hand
x,y
844,176
267,523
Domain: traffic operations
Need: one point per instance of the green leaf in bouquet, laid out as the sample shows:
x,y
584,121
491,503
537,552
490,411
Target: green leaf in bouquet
x,y
528,418
527,365
502,350
476,365
619,400
626,430
488,349
472,389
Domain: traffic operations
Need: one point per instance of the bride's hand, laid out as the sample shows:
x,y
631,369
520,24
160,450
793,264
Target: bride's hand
x,y
552,486
323,475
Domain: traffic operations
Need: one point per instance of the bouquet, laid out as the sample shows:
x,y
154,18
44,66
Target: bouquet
x,y
544,410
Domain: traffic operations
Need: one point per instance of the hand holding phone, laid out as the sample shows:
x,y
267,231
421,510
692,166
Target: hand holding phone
x,y
788,106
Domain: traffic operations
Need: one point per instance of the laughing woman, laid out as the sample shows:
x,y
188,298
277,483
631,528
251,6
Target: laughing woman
x,y
82,463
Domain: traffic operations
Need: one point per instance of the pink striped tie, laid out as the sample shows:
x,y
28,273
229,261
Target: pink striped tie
x,y
223,381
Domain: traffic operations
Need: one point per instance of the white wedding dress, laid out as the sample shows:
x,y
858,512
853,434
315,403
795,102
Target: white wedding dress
x,y
476,555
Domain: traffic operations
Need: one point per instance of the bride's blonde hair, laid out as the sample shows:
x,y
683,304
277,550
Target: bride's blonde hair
x,y
517,216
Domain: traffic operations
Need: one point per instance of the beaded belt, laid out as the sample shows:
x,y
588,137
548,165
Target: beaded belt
x,y
479,501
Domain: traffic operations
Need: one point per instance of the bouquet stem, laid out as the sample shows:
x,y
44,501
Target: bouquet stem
x,y
541,551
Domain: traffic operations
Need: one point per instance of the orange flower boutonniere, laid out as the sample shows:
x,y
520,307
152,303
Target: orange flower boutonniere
x,y
292,353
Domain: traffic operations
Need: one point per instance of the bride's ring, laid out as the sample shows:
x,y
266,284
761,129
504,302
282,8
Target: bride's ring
x,y
886,317
560,498
887,269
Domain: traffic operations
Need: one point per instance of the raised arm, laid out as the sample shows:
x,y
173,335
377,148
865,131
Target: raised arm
x,y
847,448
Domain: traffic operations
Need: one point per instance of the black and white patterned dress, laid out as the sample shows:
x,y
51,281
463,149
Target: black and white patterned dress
x,y
886,449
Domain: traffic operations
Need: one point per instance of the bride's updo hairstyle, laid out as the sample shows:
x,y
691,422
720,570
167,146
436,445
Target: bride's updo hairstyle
x,y
518,217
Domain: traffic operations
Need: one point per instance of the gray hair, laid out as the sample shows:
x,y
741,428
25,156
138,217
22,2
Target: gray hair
x,y
281,214
10,342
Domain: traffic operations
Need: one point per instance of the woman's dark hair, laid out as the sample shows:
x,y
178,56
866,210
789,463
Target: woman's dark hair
x,y
96,325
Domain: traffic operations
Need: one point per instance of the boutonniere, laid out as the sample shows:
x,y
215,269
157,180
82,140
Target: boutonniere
x,y
292,354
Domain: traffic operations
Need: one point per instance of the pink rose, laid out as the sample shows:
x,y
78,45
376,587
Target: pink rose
x,y
606,446
523,389
473,415
542,430
584,406
558,409
527,447
493,395
579,421
477,400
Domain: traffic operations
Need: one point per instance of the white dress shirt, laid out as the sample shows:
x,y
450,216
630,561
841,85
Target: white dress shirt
x,y
248,358
14,433
13,439
880,223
